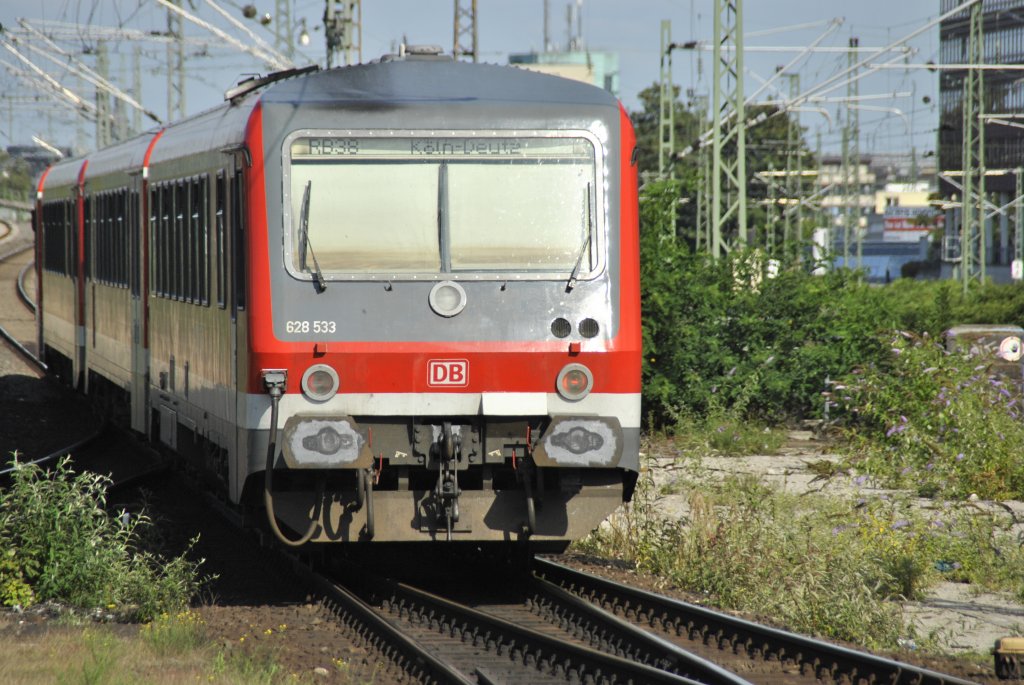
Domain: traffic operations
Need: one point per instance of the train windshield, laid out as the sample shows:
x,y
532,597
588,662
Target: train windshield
x,y
405,205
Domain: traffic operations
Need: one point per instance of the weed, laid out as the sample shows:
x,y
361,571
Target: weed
x,y
67,548
937,422
175,633
726,433
252,666
98,665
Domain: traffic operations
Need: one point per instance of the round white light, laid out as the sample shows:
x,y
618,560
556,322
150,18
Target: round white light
x,y
447,298
320,382
574,382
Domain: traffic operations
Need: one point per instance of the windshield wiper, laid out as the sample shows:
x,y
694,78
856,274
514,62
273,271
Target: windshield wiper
x,y
304,243
583,248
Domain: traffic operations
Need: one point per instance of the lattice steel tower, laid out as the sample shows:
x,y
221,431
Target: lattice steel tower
x,y
284,31
343,29
851,162
666,108
464,43
794,214
175,64
728,176
972,230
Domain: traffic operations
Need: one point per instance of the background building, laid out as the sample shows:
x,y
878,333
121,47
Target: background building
x,y
1002,110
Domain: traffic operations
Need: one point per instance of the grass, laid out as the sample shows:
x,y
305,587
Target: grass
x,y
97,655
727,434
171,649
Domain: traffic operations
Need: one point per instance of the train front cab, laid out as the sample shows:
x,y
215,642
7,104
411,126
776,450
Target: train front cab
x,y
492,452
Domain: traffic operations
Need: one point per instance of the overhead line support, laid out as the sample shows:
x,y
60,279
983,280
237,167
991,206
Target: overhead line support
x,y
728,176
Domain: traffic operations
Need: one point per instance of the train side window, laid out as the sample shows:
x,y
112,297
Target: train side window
x,y
154,240
66,237
87,232
101,238
53,237
100,243
204,239
218,229
178,264
172,241
126,243
200,251
121,241
155,248
73,239
67,231
114,238
109,265
167,239
238,240
133,241
61,236
102,230
94,242
114,241
192,287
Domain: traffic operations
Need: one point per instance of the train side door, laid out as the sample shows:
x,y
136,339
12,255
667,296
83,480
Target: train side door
x,y
239,319
137,234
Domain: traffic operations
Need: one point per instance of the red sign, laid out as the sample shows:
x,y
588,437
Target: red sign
x,y
448,373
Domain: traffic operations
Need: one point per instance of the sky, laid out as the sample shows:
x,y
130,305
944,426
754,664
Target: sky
x,y
897,106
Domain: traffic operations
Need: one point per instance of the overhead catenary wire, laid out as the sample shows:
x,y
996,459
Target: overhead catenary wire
x,y
843,77
78,68
269,59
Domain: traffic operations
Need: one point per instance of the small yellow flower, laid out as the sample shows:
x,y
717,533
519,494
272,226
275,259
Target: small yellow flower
x,y
268,631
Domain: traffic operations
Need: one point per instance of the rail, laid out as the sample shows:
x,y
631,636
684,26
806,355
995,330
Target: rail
x,y
738,632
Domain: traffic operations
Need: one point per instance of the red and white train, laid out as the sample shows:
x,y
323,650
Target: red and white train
x,y
410,287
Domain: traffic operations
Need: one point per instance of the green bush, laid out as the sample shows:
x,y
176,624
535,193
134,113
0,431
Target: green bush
x,y
68,549
719,336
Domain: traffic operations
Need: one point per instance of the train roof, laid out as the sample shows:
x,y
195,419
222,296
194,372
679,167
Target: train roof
x,y
389,82
432,80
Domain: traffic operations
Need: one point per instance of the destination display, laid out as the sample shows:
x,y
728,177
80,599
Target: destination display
x,y
332,147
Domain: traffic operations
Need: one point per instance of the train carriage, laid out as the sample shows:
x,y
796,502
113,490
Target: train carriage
x,y
409,287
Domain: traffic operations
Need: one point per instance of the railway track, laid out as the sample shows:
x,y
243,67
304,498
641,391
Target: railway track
x,y
766,654
538,634
560,625
18,314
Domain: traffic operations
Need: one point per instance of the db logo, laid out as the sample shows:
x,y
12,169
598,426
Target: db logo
x,y
448,372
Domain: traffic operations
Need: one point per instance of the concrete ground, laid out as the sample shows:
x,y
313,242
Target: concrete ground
x,y
969,619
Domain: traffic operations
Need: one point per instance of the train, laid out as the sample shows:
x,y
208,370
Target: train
x,y
392,302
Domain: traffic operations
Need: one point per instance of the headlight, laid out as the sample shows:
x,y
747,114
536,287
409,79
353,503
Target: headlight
x,y
320,382
447,298
574,382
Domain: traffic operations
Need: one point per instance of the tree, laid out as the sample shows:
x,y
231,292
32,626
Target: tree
x,y
766,142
